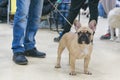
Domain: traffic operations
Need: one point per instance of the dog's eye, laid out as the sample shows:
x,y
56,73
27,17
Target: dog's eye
x,y
88,33
79,33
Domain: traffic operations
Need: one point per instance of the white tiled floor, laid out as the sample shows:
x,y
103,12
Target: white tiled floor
x,y
104,63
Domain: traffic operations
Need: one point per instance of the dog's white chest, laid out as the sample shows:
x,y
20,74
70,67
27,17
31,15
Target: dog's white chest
x,y
85,51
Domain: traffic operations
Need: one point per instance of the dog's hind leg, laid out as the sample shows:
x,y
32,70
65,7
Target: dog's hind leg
x,y
112,34
118,39
61,47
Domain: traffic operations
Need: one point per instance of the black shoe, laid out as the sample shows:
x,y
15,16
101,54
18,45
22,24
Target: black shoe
x,y
19,58
57,39
35,53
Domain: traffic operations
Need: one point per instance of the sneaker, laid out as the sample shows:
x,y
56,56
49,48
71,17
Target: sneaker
x,y
34,53
105,37
19,58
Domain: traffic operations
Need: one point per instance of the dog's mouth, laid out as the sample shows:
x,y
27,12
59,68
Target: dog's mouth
x,y
84,37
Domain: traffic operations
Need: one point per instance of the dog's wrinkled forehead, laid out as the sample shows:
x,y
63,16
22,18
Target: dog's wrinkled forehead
x,y
84,30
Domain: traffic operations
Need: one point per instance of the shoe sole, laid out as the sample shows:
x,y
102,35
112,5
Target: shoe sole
x,y
36,56
21,63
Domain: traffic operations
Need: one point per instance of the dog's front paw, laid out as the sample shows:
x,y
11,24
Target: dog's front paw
x,y
88,73
57,66
72,73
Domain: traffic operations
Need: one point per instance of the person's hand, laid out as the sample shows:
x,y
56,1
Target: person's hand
x,y
92,25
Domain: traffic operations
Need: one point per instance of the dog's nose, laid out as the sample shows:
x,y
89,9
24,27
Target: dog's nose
x,y
83,37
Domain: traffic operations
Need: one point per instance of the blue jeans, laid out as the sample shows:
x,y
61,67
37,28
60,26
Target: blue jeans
x,y
26,23
101,11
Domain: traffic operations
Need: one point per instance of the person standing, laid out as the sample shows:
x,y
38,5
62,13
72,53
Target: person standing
x,y
75,7
26,23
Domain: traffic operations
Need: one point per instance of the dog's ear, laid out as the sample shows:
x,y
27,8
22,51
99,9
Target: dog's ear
x,y
90,31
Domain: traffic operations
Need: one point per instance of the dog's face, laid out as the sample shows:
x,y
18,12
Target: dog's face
x,y
85,35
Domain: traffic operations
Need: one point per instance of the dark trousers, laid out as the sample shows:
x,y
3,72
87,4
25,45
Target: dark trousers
x,y
3,14
74,10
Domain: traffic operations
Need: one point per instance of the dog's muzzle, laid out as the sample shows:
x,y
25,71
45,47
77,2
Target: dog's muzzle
x,y
84,38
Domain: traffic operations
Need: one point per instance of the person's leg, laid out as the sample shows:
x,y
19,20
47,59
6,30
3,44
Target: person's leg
x,y
20,23
74,10
109,6
101,11
107,36
34,16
